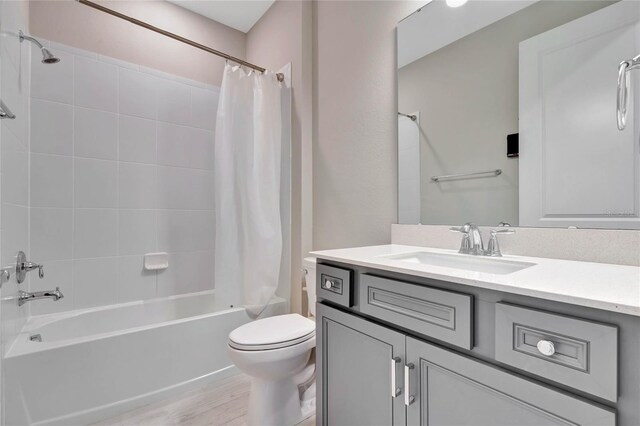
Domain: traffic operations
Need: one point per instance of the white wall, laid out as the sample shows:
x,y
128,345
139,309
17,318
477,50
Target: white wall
x,y
121,165
355,121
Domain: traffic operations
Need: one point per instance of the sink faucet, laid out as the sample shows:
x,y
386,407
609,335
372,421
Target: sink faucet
x,y
471,239
24,297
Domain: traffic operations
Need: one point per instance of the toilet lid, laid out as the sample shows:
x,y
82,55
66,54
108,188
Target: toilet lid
x,y
273,332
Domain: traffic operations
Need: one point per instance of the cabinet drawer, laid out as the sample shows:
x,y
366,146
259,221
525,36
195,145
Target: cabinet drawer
x,y
334,284
574,352
441,314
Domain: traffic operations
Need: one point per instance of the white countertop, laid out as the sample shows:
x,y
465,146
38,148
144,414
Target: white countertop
x,y
596,285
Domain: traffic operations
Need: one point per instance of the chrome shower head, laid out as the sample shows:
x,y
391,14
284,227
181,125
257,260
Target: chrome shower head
x,y
47,56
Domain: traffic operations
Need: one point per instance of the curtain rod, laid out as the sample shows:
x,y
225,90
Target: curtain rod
x,y
143,24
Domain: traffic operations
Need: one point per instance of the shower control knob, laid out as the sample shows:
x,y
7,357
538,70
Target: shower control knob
x,y
546,347
328,284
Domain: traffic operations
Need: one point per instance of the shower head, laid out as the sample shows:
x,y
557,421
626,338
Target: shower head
x,y
47,56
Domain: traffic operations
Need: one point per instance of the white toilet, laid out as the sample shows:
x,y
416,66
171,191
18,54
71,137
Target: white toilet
x,y
275,352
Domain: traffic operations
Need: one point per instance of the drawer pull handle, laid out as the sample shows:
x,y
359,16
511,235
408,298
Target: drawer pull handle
x,y
546,347
408,399
395,391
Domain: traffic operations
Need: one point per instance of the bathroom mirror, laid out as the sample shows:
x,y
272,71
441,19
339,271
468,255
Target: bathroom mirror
x,y
510,111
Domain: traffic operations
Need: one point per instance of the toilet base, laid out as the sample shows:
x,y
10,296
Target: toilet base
x,y
267,394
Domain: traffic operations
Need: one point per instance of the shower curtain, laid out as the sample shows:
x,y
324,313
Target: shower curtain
x,y
248,143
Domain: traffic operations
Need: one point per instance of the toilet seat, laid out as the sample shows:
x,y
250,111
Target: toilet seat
x,y
266,347
272,333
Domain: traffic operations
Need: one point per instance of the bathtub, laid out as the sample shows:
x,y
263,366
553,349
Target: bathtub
x,y
96,363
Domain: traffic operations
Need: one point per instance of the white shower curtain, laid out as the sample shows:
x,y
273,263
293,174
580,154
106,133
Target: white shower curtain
x,y
248,246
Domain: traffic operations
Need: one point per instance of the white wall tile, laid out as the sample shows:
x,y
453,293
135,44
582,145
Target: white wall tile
x,y
51,127
137,140
204,230
134,282
10,140
14,222
51,234
184,146
185,274
202,148
56,274
137,232
174,230
15,177
15,91
173,143
174,102
96,134
137,186
204,107
95,84
181,188
95,183
51,180
184,230
53,82
95,282
95,233
137,94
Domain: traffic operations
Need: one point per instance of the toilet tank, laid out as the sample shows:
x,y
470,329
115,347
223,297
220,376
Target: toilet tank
x,y
310,279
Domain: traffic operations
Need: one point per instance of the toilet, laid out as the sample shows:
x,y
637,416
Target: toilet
x,y
275,353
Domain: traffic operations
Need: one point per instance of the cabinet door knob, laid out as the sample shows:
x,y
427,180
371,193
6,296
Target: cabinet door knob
x,y
546,347
327,284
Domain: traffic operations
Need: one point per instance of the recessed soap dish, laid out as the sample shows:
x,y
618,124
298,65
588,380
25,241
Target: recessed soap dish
x,y
156,261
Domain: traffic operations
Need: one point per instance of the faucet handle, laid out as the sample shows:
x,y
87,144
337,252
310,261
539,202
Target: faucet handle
x,y
496,231
465,244
30,266
493,248
464,229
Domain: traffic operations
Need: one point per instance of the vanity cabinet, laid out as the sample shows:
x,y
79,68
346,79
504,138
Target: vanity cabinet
x,y
452,389
361,374
382,361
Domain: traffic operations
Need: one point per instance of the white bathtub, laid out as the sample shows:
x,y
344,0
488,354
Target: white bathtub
x,y
97,363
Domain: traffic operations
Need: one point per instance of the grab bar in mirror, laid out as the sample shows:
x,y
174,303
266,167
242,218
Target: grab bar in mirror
x,y
490,173
624,81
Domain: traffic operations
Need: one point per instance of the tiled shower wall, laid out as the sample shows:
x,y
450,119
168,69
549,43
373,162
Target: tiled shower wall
x,y
121,165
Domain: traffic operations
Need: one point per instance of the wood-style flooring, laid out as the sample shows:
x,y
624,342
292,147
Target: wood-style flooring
x,y
221,404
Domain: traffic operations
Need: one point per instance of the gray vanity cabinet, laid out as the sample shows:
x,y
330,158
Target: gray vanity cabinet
x,y
452,389
406,351
359,363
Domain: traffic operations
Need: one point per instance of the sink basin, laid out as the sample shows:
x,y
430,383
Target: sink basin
x,y
489,265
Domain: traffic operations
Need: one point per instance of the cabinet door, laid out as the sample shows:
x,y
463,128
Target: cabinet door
x,y
359,371
452,389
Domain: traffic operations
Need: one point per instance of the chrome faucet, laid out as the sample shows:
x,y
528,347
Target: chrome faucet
x,y
472,239
24,297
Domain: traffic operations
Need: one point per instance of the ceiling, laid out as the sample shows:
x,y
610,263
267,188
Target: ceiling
x,y
238,14
436,25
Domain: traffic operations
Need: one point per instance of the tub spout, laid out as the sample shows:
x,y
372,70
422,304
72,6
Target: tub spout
x,y
24,297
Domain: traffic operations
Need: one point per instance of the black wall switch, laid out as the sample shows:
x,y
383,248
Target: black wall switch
x,y
513,145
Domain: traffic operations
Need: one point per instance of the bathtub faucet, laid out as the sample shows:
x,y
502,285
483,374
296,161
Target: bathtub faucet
x,y
24,297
